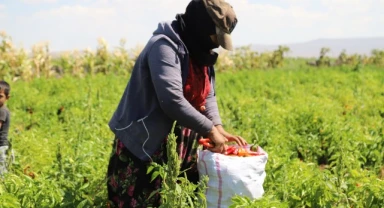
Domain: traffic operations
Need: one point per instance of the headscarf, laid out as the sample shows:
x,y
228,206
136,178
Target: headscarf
x,y
196,27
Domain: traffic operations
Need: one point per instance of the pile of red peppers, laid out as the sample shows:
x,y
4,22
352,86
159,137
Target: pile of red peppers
x,y
234,150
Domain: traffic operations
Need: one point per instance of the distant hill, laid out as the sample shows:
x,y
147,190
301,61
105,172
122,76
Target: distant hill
x,y
312,48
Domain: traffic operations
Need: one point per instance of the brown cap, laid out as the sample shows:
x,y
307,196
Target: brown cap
x,y
225,19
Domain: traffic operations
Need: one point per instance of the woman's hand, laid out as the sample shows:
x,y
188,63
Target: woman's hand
x,y
231,138
218,141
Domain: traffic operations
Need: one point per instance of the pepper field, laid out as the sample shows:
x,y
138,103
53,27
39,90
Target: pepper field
x,y
323,129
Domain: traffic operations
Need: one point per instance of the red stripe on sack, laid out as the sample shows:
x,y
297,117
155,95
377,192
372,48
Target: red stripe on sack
x,y
220,180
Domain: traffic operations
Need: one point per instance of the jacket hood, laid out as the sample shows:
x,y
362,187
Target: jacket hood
x,y
169,29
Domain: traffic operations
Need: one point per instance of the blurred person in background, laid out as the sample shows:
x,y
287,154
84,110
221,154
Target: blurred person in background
x,y
5,121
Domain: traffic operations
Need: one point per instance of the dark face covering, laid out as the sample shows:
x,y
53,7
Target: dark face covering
x,y
196,27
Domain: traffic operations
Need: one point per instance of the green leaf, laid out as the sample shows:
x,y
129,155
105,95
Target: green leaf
x,y
178,189
153,193
150,168
84,186
190,201
82,204
330,185
154,175
295,197
123,158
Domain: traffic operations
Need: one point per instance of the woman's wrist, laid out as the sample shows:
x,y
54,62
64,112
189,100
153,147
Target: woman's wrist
x,y
213,131
220,129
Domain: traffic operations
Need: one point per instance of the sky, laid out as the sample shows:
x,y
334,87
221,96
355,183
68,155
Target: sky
x,y
78,24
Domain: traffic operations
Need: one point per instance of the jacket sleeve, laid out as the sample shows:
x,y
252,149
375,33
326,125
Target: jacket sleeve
x,y
212,110
165,70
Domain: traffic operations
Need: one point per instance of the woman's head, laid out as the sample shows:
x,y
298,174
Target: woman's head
x,y
199,25
206,18
205,25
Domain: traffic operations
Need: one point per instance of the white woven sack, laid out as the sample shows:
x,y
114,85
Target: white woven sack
x,y
231,175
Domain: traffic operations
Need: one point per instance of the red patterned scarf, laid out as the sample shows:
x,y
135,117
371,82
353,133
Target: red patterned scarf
x,y
197,86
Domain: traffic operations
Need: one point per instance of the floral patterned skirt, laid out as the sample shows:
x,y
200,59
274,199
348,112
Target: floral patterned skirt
x,y
128,183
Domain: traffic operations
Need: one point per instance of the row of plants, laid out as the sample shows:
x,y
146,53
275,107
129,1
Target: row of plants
x,y
16,63
357,60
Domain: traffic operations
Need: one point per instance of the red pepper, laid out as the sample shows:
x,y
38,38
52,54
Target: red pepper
x,y
206,142
203,140
230,150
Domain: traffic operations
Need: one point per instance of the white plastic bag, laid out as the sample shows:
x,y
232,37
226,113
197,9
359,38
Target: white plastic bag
x,y
232,175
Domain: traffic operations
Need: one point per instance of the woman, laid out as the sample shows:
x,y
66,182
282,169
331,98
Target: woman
x,y
172,80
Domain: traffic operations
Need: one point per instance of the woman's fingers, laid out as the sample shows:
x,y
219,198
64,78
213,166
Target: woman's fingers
x,y
239,140
242,141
